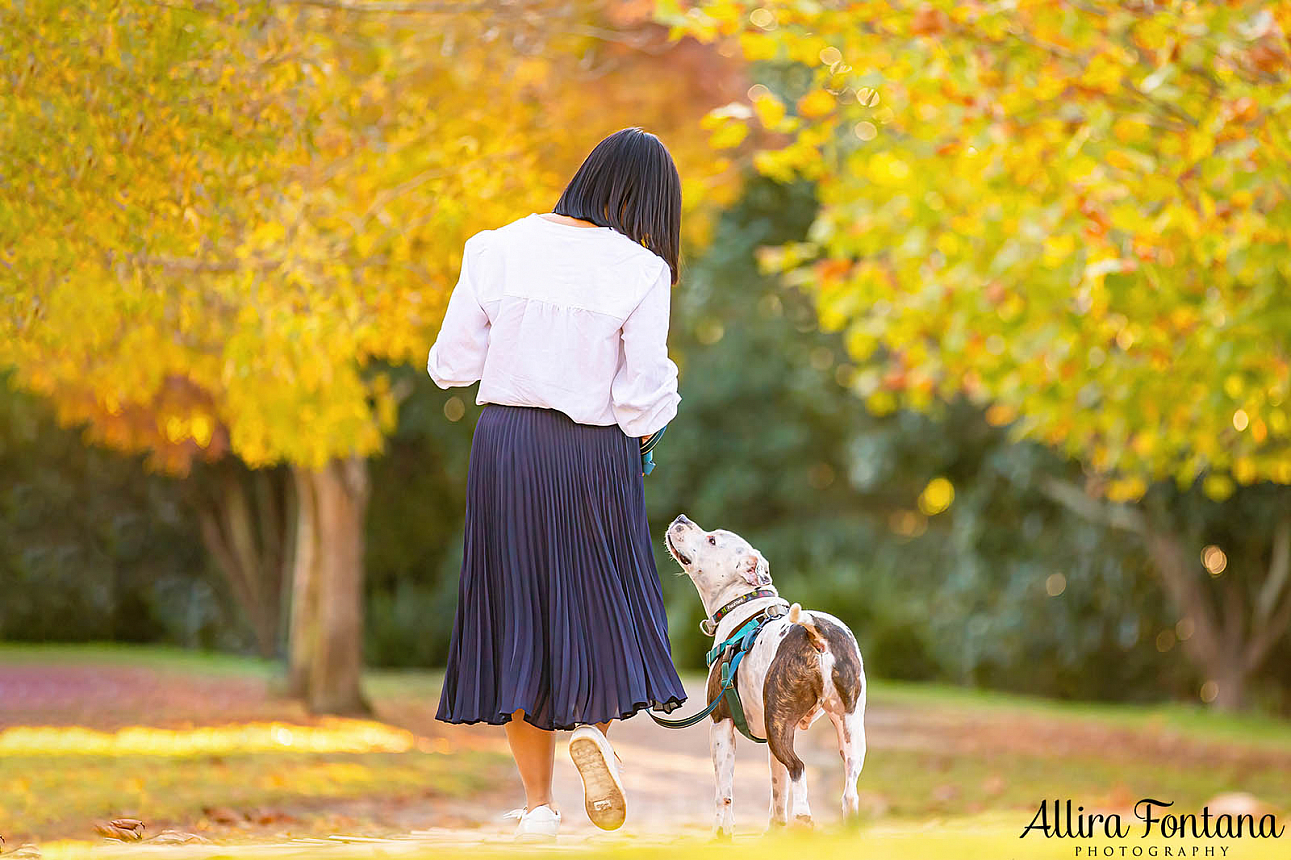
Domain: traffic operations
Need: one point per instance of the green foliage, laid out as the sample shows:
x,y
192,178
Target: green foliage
x,y
91,547
836,498
414,531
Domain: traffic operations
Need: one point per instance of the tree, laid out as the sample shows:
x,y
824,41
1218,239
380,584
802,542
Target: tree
x,y
1075,213
215,218
892,522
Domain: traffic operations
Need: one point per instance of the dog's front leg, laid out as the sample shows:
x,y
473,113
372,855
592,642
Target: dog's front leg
x,y
779,792
721,739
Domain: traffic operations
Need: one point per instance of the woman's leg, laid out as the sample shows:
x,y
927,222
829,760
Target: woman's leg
x,y
534,751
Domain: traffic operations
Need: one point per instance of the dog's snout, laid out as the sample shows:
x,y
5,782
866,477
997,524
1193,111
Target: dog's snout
x,y
681,522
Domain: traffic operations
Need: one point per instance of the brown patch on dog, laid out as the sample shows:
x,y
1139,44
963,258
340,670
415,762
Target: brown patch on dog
x,y
792,688
721,712
847,663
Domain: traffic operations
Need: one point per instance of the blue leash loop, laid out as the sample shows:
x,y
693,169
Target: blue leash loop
x,y
647,451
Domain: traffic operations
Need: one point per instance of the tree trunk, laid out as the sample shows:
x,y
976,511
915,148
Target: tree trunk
x,y
303,616
1231,678
1231,639
325,648
244,533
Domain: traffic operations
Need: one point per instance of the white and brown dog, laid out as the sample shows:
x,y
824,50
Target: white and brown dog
x,y
803,664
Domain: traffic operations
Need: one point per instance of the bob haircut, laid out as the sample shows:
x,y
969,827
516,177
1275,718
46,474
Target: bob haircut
x,y
630,184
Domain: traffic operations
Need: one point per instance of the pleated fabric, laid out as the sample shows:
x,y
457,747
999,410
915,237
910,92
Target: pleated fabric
x,y
559,607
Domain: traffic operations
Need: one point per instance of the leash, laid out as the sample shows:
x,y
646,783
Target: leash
x,y
647,451
731,652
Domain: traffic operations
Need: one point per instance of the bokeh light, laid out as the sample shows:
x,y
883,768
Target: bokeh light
x,y
1214,560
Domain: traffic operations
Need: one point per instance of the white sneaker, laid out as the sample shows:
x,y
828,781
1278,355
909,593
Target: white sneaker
x,y
539,824
603,796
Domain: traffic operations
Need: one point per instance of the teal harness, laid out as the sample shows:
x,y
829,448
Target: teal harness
x,y
731,652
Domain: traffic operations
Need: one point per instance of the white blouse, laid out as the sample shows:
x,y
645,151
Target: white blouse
x,y
564,317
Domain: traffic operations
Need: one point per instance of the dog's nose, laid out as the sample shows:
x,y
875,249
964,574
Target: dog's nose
x,y
681,522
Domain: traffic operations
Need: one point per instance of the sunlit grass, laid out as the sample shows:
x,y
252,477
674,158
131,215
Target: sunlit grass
x,y
67,794
980,837
330,735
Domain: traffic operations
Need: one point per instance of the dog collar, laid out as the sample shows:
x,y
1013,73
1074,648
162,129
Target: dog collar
x,y
709,625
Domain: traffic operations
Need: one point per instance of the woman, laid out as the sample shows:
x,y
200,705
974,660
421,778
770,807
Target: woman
x,y
562,317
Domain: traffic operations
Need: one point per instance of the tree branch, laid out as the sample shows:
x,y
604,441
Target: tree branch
x,y
1270,624
1279,569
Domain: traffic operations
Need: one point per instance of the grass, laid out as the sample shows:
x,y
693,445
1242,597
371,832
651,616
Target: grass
x,y
955,772
269,766
986,837
981,837
1194,721
61,796
151,656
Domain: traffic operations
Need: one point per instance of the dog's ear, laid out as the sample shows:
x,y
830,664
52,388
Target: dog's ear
x,y
755,569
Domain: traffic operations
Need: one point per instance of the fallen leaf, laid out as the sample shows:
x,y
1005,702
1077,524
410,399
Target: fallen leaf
x,y
270,816
121,829
223,815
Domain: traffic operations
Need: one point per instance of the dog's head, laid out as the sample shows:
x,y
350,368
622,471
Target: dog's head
x,y
716,561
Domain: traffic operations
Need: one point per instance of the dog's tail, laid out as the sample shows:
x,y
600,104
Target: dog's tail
x,y
814,636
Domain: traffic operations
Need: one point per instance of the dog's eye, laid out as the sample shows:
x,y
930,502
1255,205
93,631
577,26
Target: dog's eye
x,y
712,540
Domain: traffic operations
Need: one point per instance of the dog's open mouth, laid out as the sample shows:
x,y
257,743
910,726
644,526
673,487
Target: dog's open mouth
x,y
681,557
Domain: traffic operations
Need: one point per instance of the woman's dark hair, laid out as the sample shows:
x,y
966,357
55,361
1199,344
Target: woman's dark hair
x,y
630,183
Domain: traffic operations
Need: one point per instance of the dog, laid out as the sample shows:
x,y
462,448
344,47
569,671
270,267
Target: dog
x,y
804,664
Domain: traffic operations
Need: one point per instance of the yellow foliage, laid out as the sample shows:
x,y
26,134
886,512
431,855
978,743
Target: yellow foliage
x,y
816,104
241,205
1124,183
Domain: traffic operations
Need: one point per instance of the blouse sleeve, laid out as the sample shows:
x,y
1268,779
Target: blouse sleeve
x,y
457,356
644,391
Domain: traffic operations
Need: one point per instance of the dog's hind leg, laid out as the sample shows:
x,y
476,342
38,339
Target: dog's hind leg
x,y
721,739
851,746
792,690
779,792
780,734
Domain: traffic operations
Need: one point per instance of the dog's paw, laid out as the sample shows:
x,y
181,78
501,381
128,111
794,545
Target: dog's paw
x,y
720,835
803,822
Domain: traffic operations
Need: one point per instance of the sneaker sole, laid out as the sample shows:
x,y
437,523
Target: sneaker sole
x,y
604,801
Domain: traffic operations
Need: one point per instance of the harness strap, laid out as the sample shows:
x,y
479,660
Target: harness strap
x,y
752,625
733,697
732,653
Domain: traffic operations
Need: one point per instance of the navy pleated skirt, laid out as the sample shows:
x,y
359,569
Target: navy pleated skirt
x,y
559,609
